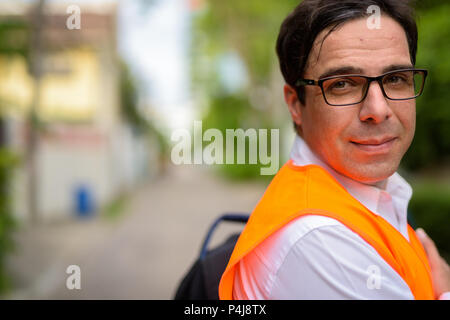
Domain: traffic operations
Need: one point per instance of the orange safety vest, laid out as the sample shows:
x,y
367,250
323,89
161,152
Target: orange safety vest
x,y
310,190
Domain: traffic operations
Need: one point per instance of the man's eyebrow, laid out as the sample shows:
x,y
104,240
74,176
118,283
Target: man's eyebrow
x,y
353,70
397,67
341,71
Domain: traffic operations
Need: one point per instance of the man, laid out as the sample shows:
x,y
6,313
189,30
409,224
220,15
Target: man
x,y
333,222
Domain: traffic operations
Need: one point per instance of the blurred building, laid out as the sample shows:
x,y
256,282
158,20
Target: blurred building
x,y
86,152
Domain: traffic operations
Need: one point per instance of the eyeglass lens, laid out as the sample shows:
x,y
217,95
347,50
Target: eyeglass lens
x,y
401,85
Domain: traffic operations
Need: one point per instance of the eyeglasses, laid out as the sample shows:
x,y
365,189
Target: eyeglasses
x,y
345,90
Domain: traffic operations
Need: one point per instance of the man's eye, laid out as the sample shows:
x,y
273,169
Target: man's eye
x,y
341,84
395,79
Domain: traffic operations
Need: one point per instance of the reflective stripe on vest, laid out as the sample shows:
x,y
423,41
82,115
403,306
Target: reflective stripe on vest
x,y
310,190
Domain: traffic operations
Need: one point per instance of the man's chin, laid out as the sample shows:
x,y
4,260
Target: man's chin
x,y
374,176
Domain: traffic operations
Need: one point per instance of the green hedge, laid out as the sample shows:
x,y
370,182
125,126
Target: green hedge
x,y
430,210
7,163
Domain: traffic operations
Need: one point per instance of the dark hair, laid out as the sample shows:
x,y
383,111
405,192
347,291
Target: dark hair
x,y
301,27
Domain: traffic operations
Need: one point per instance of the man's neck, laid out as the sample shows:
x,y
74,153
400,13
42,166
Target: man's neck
x,y
380,184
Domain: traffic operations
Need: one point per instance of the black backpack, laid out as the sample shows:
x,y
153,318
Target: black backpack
x,y
202,280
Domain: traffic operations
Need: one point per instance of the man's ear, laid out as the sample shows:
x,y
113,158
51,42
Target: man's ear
x,y
294,104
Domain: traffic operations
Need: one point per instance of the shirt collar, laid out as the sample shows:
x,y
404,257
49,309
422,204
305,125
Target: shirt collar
x,y
397,189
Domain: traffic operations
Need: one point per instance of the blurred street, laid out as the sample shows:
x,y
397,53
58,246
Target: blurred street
x,y
143,253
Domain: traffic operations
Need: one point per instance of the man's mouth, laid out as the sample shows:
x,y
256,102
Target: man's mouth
x,y
375,145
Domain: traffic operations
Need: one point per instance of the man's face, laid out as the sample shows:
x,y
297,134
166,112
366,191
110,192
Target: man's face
x,y
365,141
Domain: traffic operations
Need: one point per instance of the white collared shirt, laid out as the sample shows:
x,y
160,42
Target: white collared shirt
x,y
316,257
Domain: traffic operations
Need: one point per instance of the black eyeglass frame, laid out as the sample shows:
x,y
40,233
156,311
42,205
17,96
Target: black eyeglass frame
x,y
309,82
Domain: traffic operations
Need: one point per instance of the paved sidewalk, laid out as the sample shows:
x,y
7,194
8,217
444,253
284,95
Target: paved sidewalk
x,y
143,253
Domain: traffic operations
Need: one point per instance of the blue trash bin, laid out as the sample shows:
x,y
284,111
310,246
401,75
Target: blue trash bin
x,y
84,201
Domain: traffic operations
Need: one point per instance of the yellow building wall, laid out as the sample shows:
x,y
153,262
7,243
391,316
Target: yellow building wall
x,y
70,86
15,84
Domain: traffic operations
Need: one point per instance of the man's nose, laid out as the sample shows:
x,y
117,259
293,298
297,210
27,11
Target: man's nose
x,y
375,107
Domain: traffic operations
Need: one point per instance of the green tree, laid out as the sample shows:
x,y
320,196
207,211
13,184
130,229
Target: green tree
x,y
430,150
7,162
431,145
248,30
129,108
14,38
129,99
